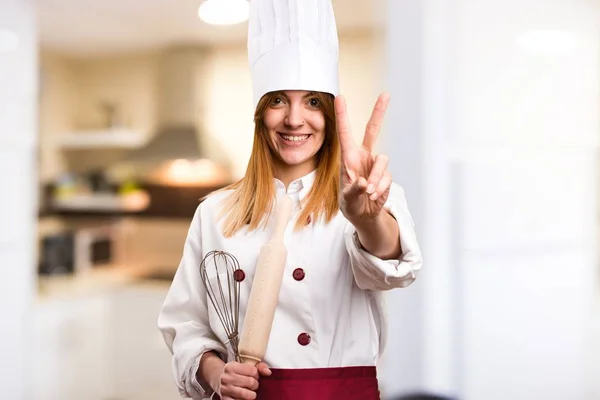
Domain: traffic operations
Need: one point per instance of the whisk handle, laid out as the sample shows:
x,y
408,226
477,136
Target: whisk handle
x,y
282,216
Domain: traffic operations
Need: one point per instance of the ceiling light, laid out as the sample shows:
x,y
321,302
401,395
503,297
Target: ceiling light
x,y
9,41
224,12
548,42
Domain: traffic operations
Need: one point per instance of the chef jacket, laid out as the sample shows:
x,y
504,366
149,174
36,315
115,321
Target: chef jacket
x,y
330,311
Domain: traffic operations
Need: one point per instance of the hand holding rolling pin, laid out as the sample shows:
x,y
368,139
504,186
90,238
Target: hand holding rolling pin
x,y
239,381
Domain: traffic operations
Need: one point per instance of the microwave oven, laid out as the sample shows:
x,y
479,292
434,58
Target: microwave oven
x,y
79,250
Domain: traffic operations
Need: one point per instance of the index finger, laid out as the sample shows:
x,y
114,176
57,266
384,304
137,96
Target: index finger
x,y
245,369
375,122
343,127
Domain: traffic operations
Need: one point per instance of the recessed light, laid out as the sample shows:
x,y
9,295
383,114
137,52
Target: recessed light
x,y
224,12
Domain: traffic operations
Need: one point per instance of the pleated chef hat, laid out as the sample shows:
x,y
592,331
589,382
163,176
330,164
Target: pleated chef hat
x,y
292,45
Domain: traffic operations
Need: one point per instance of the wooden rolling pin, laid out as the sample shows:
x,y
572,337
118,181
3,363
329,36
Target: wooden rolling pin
x,y
264,293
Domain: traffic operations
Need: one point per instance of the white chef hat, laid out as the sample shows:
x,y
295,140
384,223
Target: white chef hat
x,y
292,45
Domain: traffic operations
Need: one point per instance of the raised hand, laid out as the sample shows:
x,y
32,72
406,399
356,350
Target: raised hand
x,y
365,181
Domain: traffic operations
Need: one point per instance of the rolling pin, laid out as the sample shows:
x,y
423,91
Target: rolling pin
x,y
264,293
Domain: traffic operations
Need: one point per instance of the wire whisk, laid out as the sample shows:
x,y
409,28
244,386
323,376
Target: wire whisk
x,y
217,272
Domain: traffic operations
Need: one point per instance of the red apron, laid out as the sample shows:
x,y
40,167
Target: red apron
x,y
348,383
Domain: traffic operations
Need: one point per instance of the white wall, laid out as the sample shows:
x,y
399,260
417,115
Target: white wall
x,y
58,97
18,116
497,140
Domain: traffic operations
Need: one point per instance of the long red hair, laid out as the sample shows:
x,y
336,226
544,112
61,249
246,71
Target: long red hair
x,y
251,202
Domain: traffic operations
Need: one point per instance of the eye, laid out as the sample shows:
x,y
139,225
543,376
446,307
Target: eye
x,y
277,101
314,102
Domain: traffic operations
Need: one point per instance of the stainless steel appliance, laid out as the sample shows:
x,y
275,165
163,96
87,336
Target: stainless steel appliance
x,y
79,250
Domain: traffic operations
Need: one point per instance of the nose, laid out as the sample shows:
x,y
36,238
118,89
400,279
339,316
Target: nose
x,y
294,117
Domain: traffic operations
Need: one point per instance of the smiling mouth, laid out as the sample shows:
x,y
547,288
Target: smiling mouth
x,y
293,138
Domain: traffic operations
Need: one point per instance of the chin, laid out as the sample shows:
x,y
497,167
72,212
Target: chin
x,y
295,161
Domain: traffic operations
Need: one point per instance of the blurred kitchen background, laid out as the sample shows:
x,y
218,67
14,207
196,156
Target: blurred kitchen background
x,y
116,117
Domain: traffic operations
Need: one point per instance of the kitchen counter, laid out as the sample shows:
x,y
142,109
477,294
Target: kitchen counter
x,y
170,202
99,281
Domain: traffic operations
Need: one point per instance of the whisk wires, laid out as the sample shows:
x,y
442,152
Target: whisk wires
x,y
217,274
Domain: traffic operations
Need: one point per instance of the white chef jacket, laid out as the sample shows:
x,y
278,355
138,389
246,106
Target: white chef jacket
x,y
337,304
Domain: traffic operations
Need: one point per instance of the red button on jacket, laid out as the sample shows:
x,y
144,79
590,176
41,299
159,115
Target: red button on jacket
x,y
304,339
298,274
239,275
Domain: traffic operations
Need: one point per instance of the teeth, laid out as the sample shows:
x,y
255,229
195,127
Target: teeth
x,y
295,138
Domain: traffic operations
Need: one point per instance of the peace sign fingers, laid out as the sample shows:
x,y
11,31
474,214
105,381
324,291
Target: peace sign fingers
x,y
375,122
343,125
365,180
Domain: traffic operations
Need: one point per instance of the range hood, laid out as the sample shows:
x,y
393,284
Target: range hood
x,y
179,153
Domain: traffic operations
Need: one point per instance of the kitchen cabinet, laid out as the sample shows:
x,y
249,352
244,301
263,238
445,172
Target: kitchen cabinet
x,y
103,345
141,362
69,347
108,139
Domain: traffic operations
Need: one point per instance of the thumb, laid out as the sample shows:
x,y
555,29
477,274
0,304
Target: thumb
x,y
355,189
263,369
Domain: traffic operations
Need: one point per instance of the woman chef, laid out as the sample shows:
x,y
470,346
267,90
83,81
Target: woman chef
x,y
350,237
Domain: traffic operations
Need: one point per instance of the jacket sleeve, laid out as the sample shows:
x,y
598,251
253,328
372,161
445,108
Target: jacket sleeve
x,y
183,318
372,273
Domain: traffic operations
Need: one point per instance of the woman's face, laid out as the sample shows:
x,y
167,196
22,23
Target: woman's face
x,y
296,126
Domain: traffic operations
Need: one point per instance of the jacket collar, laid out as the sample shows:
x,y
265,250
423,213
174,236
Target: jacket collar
x,y
300,186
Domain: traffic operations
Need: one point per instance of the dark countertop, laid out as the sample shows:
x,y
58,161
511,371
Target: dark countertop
x,y
165,202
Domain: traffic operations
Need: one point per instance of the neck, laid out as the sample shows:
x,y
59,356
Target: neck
x,y
289,173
